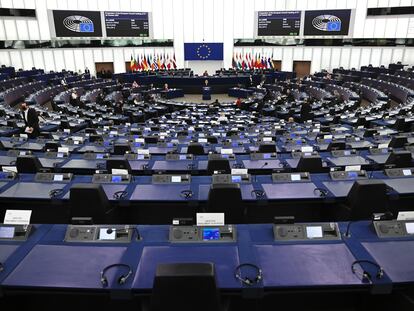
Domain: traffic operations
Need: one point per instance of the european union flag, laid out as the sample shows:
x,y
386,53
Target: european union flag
x,y
334,26
86,27
203,51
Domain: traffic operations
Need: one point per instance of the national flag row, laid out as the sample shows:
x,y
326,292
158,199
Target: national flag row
x,y
250,61
152,62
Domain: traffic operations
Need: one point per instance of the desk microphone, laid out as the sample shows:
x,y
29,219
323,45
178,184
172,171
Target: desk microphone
x,y
264,164
348,229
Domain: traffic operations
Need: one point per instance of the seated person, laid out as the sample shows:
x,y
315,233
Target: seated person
x,y
289,96
205,73
238,102
166,87
119,107
74,99
222,118
135,84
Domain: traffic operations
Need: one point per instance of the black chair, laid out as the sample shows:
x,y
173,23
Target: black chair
x,y
311,164
121,149
365,198
267,148
370,132
226,198
218,165
52,146
185,287
89,200
195,149
400,159
28,164
336,145
397,142
151,139
212,139
118,164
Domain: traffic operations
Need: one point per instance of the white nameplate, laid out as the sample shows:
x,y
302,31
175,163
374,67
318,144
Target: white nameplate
x,y
210,219
17,217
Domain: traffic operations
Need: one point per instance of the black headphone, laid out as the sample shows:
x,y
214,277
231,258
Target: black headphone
x,y
186,194
55,193
258,194
246,280
366,276
322,192
120,194
122,279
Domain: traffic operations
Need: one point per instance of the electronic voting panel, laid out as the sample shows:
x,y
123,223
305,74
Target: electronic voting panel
x,y
394,228
199,234
306,232
99,233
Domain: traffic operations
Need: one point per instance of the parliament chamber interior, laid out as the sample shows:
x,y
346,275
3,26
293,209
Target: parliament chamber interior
x,y
207,154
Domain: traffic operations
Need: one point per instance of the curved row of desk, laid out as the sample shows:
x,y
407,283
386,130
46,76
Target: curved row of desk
x,y
52,259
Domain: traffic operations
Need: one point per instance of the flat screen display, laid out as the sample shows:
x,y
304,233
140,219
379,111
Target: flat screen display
x,y
314,232
211,234
116,178
236,178
327,23
77,23
409,226
126,24
6,232
278,23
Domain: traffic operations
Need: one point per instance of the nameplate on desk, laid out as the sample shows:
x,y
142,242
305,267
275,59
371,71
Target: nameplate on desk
x,y
111,179
208,234
171,179
143,151
210,219
348,175
17,217
178,157
230,178
262,156
399,172
394,228
291,177
10,232
407,215
306,232
99,233
53,177
9,169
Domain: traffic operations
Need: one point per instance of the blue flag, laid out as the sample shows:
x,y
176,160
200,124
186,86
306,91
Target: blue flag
x,y
203,51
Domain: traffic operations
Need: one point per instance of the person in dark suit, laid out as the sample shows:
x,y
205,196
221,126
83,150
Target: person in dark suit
x,y
31,121
305,111
289,96
74,99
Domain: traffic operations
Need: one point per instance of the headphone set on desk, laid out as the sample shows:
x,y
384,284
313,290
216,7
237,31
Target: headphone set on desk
x,y
366,276
186,194
122,279
246,280
120,194
55,193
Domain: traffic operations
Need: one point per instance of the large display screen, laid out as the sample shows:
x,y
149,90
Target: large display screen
x,y
126,24
327,23
77,23
278,23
